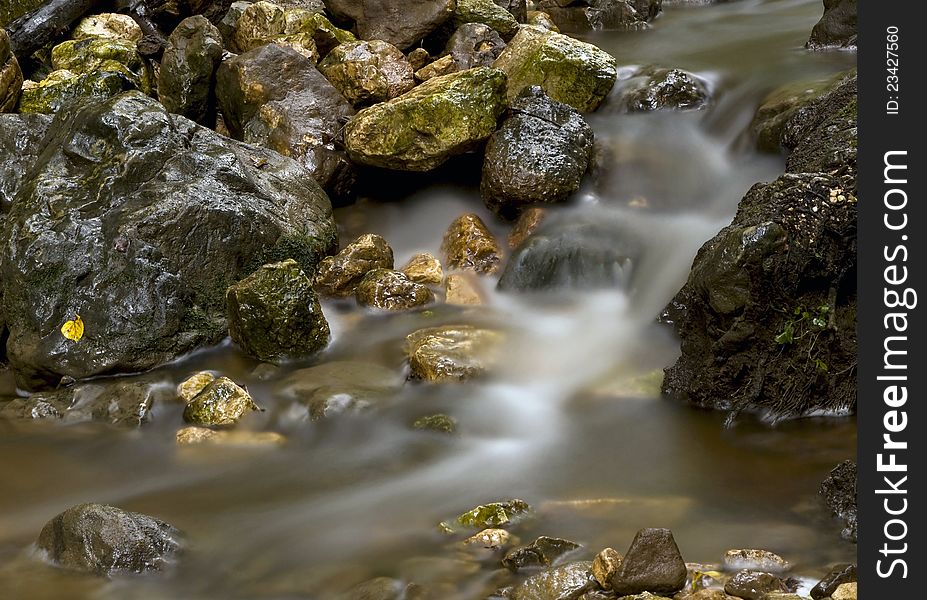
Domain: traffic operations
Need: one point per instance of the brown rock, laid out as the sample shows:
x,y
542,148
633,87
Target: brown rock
x,y
424,268
368,72
11,77
468,245
451,353
443,66
652,564
527,223
391,290
604,566
461,290
339,275
194,384
402,23
754,585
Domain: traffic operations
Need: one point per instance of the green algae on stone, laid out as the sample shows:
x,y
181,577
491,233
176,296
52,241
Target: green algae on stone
x,y
10,10
569,71
438,422
310,32
486,12
421,129
63,86
92,54
222,402
494,514
340,274
368,72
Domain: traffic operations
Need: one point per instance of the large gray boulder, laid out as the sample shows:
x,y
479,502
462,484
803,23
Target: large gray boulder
x,y
402,23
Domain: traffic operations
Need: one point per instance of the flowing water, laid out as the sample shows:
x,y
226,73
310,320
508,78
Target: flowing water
x,y
568,424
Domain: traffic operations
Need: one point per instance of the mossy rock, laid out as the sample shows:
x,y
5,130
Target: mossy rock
x,y
387,289
11,76
10,10
440,423
93,54
494,514
487,13
221,402
62,87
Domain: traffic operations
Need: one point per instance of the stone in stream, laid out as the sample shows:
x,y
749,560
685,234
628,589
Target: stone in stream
x,y
105,540
339,275
460,289
485,12
756,560
605,565
568,582
474,45
275,97
527,223
468,245
714,594
421,129
188,68
221,402
569,71
193,385
194,436
111,26
451,353
491,539
597,15
122,403
146,275
822,134
839,493
387,289
424,268
517,8
660,89
542,552
845,591
652,564
439,422
494,514
837,27
754,585
538,156
11,77
340,387
402,23
379,588
368,72
20,145
840,574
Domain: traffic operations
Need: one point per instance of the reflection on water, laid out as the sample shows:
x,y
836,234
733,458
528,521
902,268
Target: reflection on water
x,y
562,425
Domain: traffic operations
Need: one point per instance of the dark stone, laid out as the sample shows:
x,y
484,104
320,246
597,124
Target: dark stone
x,y
839,492
187,76
518,8
652,564
822,134
837,27
542,552
20,145
538,156
754,585
474,45
828,585
11,77
275,97
596,15
658,89
138,221
402,23
105,540
123,403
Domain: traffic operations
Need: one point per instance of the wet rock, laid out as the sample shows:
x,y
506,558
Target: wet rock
x,y
340,387
380,588
652,564
822,135
126,404
542,20
442,424
304,31
754,585
193,385
840,574
494,514
443,66
486,12
569,71
845,591
112,26
424,268
421,129
491,539
402,23
517,8
542,552
258,24
20,145
11,77
605,566
837,27
527,223
568,582
707,594
839,492
221,402
660,89
391,290
756,560
468,245
105,540
368,72
192,436
187,75
228,26
96,54
339,275
644,596
474,45
61,87
418,58
451,353
147,276
597,15
461,290
275,97
538,155
274,314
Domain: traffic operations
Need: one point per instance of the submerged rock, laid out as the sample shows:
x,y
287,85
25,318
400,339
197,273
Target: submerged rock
x,y
339,275
568,70
192,436
421,129
105,540
542,552
486,12
221,402
839,575
652,564
451,353
439,422
474,45
123,403
597,15
491,539
470,246
402,23
757,560
424,268
340,387
391,290
755,585
143,245
568,582
368,72
193,385
188,68
274,314
462,290
837,27
839,493
538,156
493,514
660,89
11,77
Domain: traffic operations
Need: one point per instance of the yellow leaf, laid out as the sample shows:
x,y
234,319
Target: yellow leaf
x,y
73,330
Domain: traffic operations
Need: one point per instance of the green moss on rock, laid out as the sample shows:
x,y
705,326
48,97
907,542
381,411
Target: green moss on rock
x,y
222,402
487,13
494,514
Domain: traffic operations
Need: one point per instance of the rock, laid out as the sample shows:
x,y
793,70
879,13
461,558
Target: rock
x,y
275,97
755,560
391,290
542,20
605,565
837,27
122,403
111,26
492,539
569,71
486,12
527,223
542,552
368,72
188,68
568,582
442,424
402,23
228,26
645,596
839,492
468,245
264,23
461,290
822,135
418,58
424,268
494,514
661,89
379,588
274,314
105,540
708,594
13,9
147,275
597,15
754,585
11,77
517,8
840,574
61,87
421,129
192,436
339,387
845,591
193,385
652,564
474,45
97,54
221,402
538,156
20,145
443,66
451,353
339,275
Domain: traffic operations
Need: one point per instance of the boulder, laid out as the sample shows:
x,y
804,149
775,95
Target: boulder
x,y
95,54
402,23
597,15
468,245
474,45
106,540
542,552
274,314
221,402
275,97
839,493
424,268
138,221
538,156
13,9
569,71
661,89
228,26
188,69
339,275
442,66
486,12
112,26
11,77
652,564
391,290
837,576
568,582
421,129
605,565
837,27
122,403
451,353
305,31
20,145
755,585
517,8
368,72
